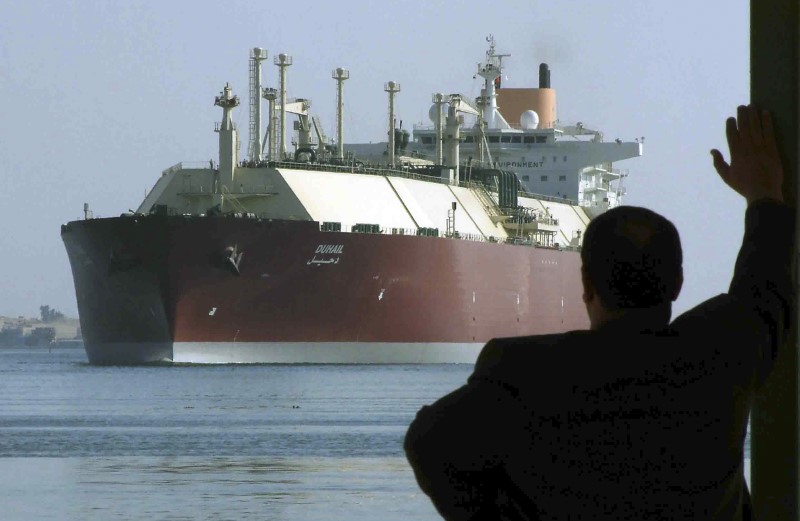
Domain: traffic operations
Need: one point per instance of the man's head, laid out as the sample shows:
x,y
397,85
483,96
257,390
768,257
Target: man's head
x,y
632,260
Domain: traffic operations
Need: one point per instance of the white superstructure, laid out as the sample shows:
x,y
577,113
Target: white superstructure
x,y
565,162
501,178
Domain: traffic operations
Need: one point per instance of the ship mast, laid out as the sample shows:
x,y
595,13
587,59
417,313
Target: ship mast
x,y
227,135
339,75
392,88
490,71
283,61
254,149
438,102
270,94
453,136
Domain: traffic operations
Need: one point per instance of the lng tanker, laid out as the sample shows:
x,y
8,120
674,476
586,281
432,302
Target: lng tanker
x,y
400,252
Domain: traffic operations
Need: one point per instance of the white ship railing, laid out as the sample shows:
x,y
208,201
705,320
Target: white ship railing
x,y
442,234
188,165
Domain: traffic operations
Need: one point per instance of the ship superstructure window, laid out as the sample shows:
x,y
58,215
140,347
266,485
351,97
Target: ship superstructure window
x,y
562,178
544,178
427,140
494,139
541,139
505,139
565,159
544,159
469,139
529,139
555,159
516,139
526,178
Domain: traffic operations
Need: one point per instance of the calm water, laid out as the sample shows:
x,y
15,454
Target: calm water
x,y
209,442
219,442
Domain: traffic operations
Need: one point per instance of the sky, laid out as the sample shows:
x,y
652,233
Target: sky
x,y
103,96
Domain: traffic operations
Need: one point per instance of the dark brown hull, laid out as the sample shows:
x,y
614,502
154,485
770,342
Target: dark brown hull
x,y
168,288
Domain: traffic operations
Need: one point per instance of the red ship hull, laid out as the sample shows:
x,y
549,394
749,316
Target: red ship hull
x,y
201,289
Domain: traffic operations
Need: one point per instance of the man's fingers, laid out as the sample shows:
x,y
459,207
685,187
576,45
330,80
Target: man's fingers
x,y
741,116
720,165
754,126
769,133
732,133
743,131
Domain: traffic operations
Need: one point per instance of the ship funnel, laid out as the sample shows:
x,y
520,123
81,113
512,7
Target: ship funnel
x,y
544,76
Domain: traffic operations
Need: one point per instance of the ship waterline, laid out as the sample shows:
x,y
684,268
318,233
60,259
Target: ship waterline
x,y
325,352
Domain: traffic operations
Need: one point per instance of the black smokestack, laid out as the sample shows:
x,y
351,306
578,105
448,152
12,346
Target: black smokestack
x,y
544,76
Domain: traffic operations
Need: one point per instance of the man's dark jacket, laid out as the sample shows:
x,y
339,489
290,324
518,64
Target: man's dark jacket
x,y
628,421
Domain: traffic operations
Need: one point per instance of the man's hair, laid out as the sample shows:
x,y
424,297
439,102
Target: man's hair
x,y
633,257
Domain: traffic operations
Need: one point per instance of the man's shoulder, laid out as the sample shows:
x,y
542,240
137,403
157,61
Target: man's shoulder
x,y
723,312
520,343
522,351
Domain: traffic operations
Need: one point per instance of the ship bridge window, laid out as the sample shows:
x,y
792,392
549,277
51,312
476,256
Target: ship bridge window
x,y
544,178
526,178
562,178
541,139
494,139
529,139
505,139
427,140
516,139
469,139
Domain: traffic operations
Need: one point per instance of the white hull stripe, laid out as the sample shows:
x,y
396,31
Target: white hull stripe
x,y
324,352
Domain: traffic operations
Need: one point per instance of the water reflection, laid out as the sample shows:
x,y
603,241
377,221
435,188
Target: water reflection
x,y
210,488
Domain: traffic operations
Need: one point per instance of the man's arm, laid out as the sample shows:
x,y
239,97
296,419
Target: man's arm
x,y
762,276
762,280
456,448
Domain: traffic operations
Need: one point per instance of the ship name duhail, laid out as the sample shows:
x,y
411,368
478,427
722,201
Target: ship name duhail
x,y
328,249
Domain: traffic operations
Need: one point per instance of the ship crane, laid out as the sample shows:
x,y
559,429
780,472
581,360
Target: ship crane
x,y
579,130
458,105
299,107
322,139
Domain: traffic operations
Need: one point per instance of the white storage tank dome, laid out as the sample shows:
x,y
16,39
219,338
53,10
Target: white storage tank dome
x,y
529,120
432,112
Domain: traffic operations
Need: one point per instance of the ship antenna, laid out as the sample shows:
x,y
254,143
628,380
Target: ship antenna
x,y
254,150
490,52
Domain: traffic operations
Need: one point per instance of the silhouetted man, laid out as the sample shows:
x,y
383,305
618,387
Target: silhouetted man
x,y
636,418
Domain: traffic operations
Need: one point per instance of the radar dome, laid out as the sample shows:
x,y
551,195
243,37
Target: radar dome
x,y
432,112
529,120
